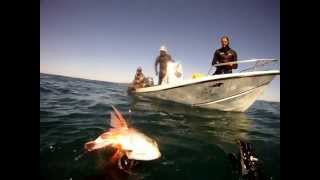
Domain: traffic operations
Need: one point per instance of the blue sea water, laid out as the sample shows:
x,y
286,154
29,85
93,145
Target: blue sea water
x,y
194,143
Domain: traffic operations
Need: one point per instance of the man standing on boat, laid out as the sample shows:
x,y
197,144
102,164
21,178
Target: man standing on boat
x,y
162,59
224,55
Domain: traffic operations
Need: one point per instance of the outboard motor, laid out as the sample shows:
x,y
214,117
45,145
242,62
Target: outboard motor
x,y
149,82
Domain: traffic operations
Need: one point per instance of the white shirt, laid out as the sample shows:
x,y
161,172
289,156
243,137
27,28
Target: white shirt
x,y
174,73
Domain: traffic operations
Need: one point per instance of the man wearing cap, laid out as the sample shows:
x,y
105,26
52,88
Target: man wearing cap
x,y
162,59
139,79
224,55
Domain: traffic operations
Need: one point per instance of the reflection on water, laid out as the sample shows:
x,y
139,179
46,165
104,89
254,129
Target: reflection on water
x,y
223,126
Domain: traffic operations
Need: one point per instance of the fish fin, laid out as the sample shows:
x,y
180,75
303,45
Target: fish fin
x,y
89,146
101,142
117,120
118,153
92,145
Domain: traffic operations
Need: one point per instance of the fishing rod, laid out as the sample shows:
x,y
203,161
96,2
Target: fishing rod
x,y
210,69
245,61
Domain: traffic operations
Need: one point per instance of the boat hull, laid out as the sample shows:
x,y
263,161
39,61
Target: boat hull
x,y
225,92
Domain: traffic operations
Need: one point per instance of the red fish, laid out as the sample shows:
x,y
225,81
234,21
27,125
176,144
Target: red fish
x,y
134,144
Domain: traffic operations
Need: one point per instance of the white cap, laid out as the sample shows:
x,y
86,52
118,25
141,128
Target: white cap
x,y
163,48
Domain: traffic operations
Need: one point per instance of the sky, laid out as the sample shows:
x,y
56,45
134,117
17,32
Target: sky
x,y
108,39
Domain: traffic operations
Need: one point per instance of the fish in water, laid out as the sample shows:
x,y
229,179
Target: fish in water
x,y
127,141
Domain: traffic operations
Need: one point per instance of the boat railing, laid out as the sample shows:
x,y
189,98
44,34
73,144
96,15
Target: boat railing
x,y
254,64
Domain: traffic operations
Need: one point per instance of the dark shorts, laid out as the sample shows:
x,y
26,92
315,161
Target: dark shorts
x,y
222,71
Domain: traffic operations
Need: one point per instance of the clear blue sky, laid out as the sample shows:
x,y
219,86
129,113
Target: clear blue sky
x,y
108,39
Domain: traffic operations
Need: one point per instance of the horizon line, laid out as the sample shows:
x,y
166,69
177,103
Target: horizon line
x,y
70,76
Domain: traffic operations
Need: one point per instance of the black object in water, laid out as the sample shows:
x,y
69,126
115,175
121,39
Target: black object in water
x,y
122,170
246,163
126,164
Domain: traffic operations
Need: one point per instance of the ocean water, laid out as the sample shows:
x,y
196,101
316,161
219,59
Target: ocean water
x,y
194,143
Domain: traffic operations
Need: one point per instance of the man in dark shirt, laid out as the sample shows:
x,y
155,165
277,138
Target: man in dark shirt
x,y
224,55
162,59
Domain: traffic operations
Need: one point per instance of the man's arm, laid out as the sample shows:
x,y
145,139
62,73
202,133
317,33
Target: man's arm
x,y
215,58
134,79
169,58
235,66
140,79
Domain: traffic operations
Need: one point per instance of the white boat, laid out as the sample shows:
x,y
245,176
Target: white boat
x,y
226,92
